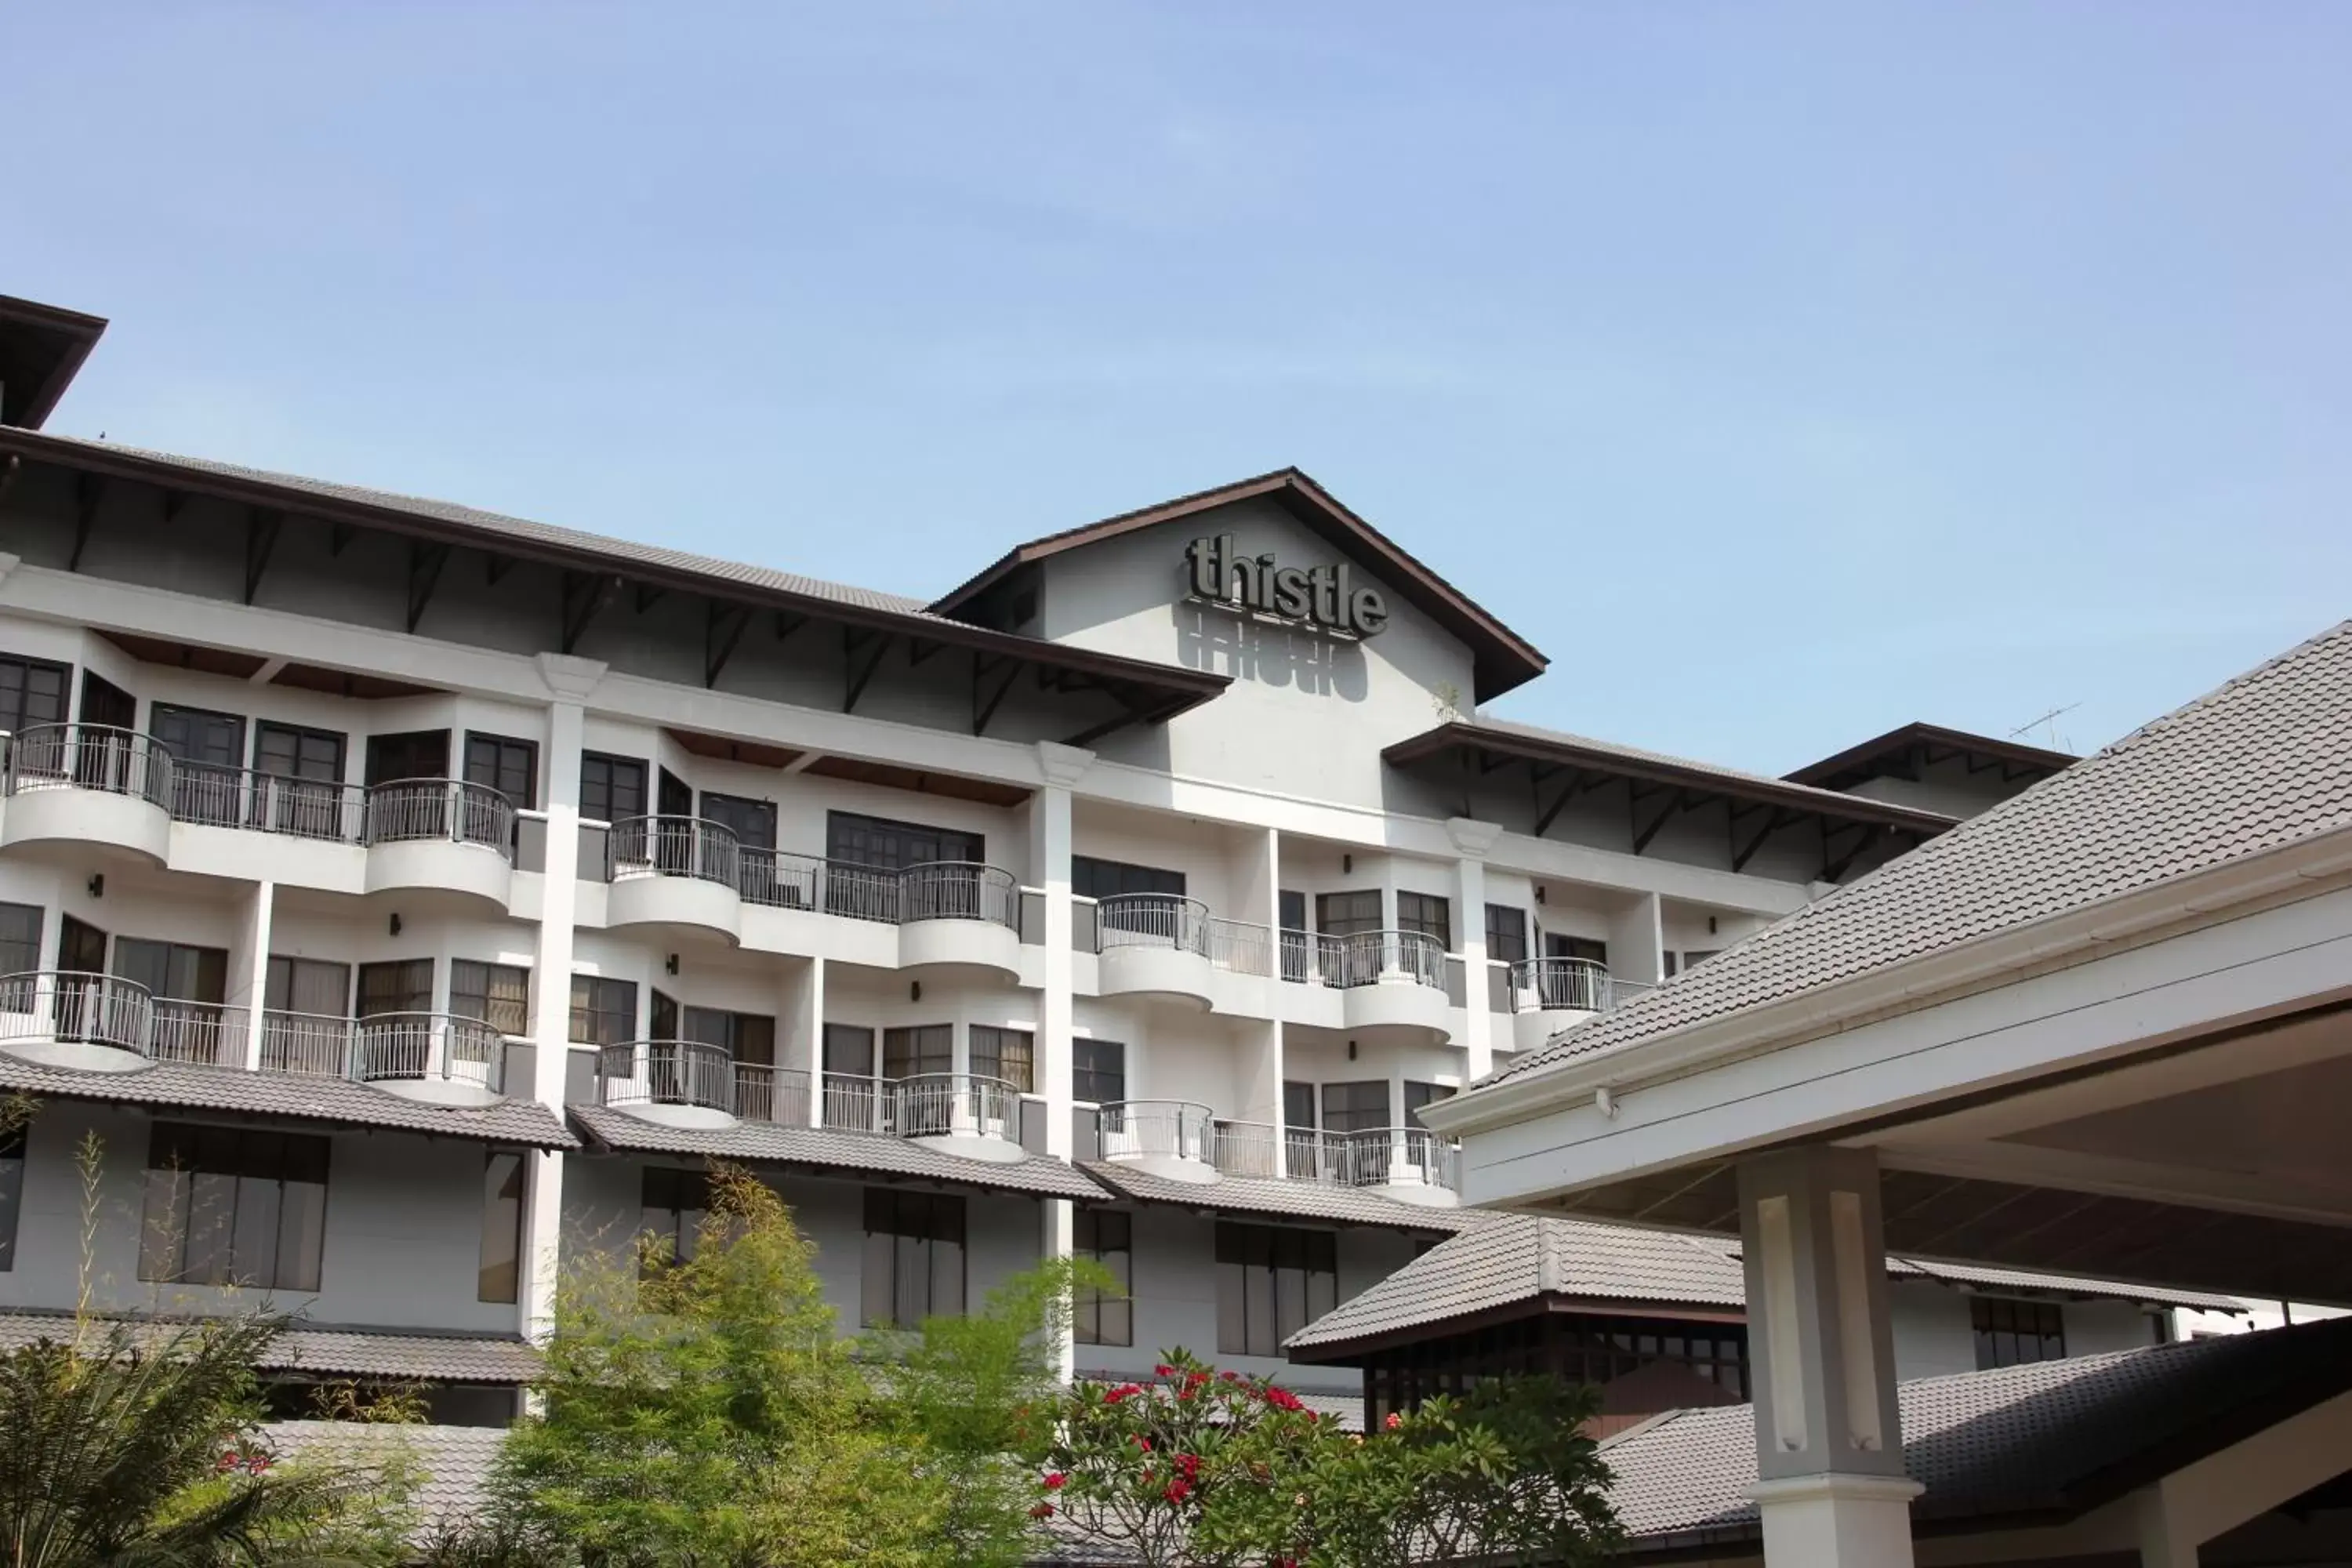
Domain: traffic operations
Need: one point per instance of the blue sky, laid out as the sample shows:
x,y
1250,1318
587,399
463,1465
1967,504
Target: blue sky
x,y
1784,372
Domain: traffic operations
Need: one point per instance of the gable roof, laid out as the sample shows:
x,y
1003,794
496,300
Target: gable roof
x,y
1844,769
1504,658
41,350
1160,691
1502,1261
2260,764
2019,1446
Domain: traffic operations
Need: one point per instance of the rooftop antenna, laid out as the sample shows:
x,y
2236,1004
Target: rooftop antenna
x,y
2048,723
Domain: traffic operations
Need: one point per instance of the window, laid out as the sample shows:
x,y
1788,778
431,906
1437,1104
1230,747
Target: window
x,y
1272,1281
753,822
502,1181
1006,1054
1507,933
612,789
170,970
849,1051
12,1193
1356,1106
1557,946
744,1037
1345,914
1098,1071
415,754
508,766
1104,1316
603,1012
675,1204
32,691
294,754
20,938
405,986
1093,879
308,985
2011,1332
914,1257
231,1207
1417,1095
877,841
496,994
207,750
1690,960
1428,914
909,1053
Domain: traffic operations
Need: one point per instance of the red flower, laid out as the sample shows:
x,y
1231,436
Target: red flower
x,y
228,1463
1394,1422
1143,1442
260,1463
1282,1398
1189,1464
1124,1391
1056,1481
1163,1370
1195,1378
1042,1511
1178,1490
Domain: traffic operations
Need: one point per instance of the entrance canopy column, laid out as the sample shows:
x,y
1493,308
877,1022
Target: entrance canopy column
x,y
1829,1443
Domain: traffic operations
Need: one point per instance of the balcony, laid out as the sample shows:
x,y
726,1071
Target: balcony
x,y
1173,1138
676,873
1549,994
85,785
92,1022
963,1114
687,1083
1154,945
1388,979
1410,1164
441,835
97,1023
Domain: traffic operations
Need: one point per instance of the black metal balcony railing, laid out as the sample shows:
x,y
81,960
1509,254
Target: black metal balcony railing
x,y
88,756
409,810
1569,985
213,796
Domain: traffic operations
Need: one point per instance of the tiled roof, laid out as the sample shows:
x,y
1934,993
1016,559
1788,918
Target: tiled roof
x,y
339,1352
523,529
1266,1195
2260,764
2024,1444
185,1086
455,1462
1502,1258
765,1142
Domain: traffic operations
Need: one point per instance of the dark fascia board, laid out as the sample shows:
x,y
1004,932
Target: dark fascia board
x,y
1602,760
1534,1304
1904,737
1179,688
1505,660
79,333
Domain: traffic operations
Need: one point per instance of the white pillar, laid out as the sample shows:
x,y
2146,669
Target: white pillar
x,y
1829,1441
1049,869
809,1014
1472,841
1637,941
569,683
1272,914
2166,1539
251,978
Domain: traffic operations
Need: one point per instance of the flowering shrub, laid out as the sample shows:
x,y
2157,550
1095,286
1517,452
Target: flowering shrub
x,y
1142,1465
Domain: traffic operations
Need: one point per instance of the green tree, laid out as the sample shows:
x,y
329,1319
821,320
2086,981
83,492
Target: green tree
x,y
145,1445
706,1414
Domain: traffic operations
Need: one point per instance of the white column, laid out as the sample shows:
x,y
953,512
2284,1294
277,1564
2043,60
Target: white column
x,y
1472,841
1049,869
1829,1440
251,960
569,683
2166,1538
809,1004
1272,914
1637,941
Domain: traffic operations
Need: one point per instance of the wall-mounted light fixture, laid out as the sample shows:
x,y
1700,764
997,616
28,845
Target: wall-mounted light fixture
x,y
913,990
672,965
1540,895
1710,925
395,923
98,885
1351,1050
1347,865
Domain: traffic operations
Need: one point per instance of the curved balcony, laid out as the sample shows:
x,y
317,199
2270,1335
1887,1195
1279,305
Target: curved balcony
x,y
1549,994
442,836
1392,979
1153,944
65,1018
960,1112
680,1083
433,1057
678,872
89,784
959,914
1173,1137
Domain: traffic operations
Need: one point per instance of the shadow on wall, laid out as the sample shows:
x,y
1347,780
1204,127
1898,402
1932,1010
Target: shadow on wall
x,y
1226,644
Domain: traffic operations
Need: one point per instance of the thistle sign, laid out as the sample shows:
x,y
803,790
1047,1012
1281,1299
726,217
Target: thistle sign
x,y
1323,597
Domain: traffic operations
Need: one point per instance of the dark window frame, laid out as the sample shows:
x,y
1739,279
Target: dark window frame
x,y
1258,1306
505,745
665,1214
889,844
1430,914
908,1233
476,992
614,769
1016,1046
1091,877
188,1165
17,696
1331,920
602,997
2012,1331
505,1184
1107,1236
1506,937
1087,1072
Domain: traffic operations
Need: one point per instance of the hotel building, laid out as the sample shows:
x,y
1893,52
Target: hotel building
x,y
394,896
